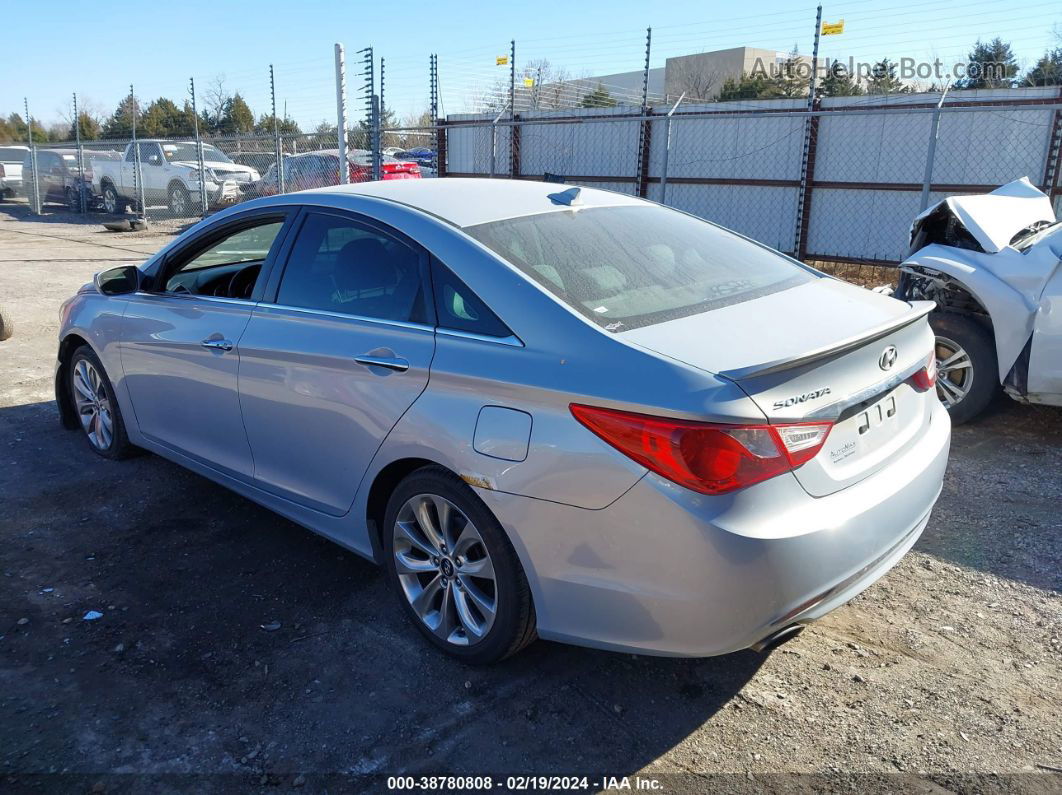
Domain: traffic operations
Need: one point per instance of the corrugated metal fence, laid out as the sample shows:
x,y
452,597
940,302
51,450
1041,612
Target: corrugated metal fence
x,y
840,183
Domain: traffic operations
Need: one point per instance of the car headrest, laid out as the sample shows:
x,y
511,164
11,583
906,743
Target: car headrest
x,y
364,264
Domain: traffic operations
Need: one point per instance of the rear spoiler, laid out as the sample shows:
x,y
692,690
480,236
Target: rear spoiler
x,y
919,309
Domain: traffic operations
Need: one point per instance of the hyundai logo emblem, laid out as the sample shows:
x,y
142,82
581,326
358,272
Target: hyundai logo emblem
x,y
887,358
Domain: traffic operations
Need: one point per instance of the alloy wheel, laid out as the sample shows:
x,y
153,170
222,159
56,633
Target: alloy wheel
x,y
110,200
955,372
177,203
445,570
93,405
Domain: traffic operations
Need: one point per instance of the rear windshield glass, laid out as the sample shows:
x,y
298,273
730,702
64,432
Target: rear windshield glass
x,y
625,267
12,153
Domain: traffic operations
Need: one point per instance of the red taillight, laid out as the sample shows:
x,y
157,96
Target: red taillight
x,y
2,172
711,458
926,378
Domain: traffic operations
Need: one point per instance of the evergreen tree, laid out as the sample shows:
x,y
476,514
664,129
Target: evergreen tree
x,y
990,65
120,123
89,127
236,118
1047,71
264,126
598,98
163,119
792,78
746,87
838,83
883,79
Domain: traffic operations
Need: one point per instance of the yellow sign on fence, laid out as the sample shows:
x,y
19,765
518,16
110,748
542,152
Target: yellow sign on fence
x,y
529,81
832,28
502,60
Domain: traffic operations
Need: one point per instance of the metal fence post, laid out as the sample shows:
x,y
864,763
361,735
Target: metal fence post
x,y
514,133
34,195
199,153
931,152
667,149
811,127
341,112
641,183
374,137
138,173
433,98
81,201
276,132
494,143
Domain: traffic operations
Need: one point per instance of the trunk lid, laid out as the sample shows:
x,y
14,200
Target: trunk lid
x,y
823,350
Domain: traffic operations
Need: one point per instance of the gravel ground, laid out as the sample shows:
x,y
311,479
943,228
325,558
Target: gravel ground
x,y
943,676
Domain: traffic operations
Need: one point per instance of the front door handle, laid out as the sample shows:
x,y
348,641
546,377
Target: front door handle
x,y
219,345
390,362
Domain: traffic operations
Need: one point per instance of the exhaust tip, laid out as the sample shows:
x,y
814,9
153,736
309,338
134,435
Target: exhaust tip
x,y
777,638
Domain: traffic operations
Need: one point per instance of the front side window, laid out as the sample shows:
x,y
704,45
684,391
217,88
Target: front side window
x,y
228,268
340,265
625,267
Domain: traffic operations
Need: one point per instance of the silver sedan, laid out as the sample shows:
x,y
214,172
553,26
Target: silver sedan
x,y
548,411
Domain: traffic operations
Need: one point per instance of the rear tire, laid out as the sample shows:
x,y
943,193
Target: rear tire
x,y
460,582
179,201
112,202
967,372
97,410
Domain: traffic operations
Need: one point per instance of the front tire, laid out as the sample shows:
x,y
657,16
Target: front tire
x,y
454,570
967,373
96,407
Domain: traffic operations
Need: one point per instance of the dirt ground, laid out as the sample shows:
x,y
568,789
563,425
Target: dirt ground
x,y
943,676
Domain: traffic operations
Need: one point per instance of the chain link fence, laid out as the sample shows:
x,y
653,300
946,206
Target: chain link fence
x,y
840,183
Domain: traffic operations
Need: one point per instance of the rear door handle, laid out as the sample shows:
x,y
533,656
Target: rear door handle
x,y
390,362
219,345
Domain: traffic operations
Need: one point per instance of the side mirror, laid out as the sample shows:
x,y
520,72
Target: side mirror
x,y
118,281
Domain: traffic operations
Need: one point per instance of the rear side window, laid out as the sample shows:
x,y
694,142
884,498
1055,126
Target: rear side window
x,y
625,267
458,308
340,265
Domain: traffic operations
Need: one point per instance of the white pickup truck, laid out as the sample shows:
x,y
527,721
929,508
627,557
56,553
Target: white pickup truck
x,y
171,176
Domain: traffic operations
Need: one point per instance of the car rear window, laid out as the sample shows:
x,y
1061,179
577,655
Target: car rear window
x,y
626,267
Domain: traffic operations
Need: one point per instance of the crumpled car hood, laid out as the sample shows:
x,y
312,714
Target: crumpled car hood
x,y
994,218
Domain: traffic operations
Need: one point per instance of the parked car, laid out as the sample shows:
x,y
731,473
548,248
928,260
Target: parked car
x,y
420,155
568,412
11,170
60,181
171,177
259,161
992,265
320,169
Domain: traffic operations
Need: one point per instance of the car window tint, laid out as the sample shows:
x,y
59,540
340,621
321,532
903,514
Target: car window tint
x,y
624,267
245,248
339,265
457,307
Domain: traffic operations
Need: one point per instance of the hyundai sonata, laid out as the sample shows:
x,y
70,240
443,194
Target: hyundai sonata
x,y
555,412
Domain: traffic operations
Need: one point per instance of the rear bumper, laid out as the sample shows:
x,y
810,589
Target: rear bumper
x,y
666,571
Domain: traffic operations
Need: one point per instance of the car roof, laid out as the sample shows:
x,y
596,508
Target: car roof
x,y
469,201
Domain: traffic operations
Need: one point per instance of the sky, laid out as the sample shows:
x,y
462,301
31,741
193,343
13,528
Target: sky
x,y
97,51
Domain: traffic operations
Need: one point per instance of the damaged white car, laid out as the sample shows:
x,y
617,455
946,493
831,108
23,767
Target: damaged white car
x,y
993,265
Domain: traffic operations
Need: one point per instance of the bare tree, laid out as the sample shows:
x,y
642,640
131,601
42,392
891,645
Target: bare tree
x,y
216,100
696,81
